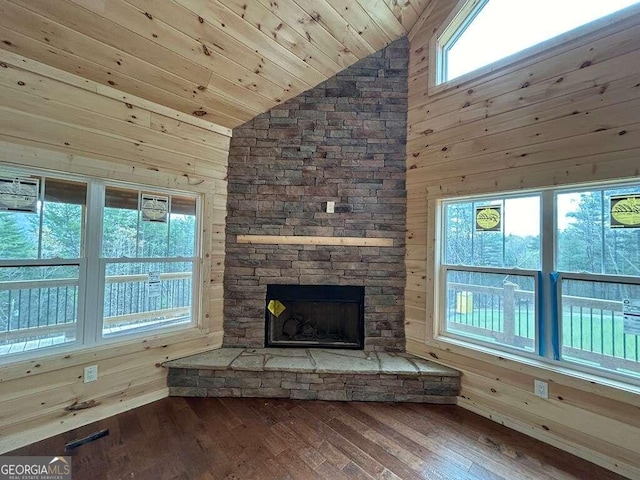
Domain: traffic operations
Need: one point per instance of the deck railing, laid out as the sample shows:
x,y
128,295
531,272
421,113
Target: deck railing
x,y
36,309
592,329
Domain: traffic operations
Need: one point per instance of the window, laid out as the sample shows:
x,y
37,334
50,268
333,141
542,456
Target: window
x,y
569,292
148,243
485,31
68,245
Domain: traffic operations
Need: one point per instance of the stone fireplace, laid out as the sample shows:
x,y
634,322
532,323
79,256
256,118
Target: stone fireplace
x,y
328,316
344,142
300,274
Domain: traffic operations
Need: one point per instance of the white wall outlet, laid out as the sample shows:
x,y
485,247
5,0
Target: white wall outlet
x,y
90,373
331,207
541,389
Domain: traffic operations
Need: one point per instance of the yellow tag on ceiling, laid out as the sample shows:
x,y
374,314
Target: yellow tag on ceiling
x,y
276,307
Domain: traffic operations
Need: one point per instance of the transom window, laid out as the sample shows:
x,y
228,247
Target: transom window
x,y
84,260
485,31
554,273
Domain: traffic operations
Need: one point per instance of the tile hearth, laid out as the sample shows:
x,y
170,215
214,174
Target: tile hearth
x,y
312,374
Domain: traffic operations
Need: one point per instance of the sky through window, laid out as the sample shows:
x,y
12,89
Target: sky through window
x,y
505,27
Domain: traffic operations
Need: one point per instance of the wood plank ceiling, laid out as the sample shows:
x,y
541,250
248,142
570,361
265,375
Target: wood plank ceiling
x,y
223,60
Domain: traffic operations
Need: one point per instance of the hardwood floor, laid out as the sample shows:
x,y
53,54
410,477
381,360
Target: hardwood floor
x,y
232,439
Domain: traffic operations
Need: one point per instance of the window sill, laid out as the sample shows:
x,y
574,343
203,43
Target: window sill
x,y
543,369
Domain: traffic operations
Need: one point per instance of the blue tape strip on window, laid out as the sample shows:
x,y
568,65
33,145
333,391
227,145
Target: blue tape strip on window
x,y
542,327
555,321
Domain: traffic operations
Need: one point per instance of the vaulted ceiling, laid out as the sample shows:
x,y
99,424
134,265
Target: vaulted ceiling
x,y
223,60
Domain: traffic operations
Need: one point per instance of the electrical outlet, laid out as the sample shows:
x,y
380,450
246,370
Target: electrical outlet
x,y
541,389
90,374
331,207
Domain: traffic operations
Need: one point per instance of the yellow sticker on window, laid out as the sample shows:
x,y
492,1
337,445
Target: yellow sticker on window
x,y
276,307
488,219
625,211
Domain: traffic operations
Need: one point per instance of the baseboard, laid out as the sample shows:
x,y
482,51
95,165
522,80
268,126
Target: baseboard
x,y
604,461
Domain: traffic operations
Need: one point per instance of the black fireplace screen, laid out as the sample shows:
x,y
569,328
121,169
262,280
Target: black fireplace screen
x,y
315,315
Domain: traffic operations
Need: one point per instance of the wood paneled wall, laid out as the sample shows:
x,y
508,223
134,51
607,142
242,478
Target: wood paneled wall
x,y
223,60
566,115
55,120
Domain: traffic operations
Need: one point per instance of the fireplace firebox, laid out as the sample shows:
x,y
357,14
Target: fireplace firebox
x,y
327,316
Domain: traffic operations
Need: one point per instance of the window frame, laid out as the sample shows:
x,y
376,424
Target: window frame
x,y
442,268
548,296
196,293
89,319
462,15
442,300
